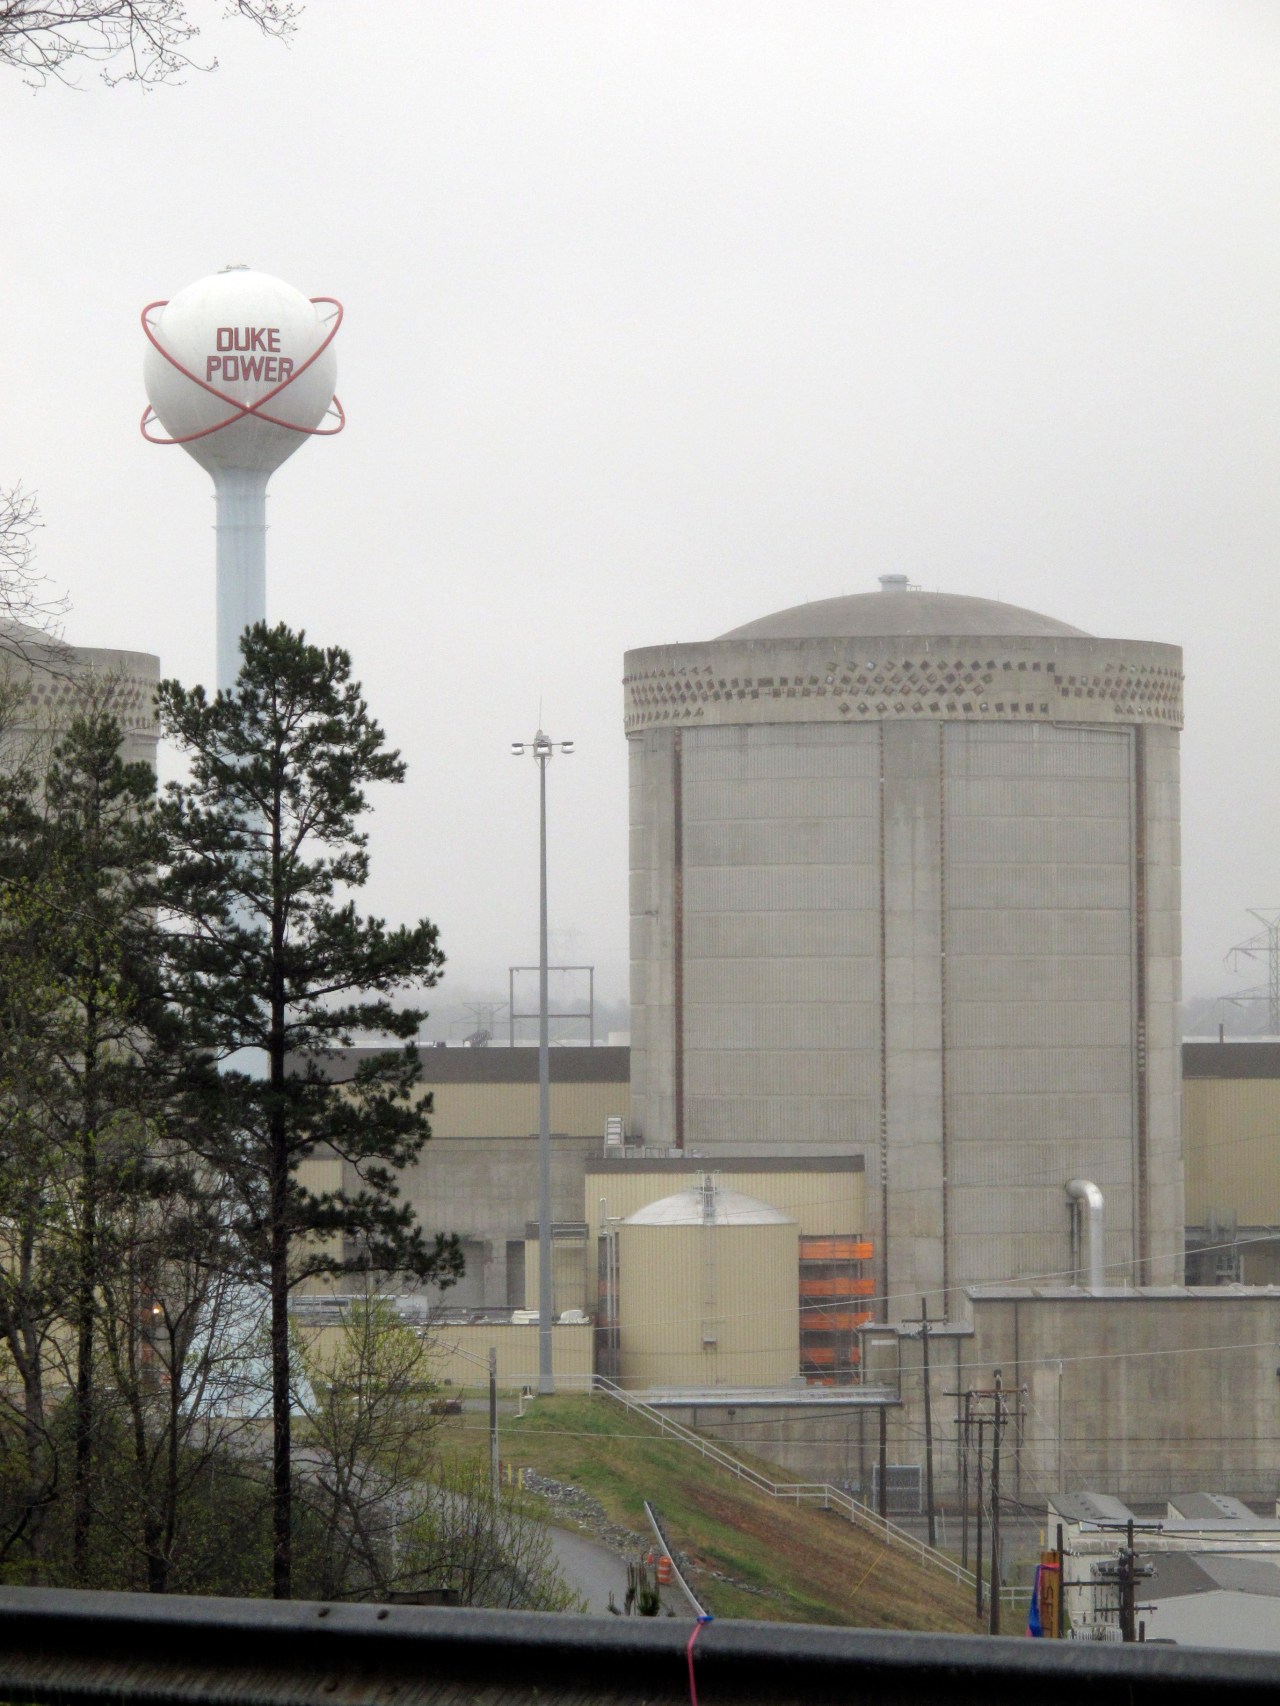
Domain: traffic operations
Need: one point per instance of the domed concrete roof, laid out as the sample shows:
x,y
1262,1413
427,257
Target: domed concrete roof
x,y
902,611
685,1208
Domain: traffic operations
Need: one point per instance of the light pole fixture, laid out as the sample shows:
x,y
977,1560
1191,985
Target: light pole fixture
x,y
541,747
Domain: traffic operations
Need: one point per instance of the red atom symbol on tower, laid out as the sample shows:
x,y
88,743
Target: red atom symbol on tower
x,y
244,411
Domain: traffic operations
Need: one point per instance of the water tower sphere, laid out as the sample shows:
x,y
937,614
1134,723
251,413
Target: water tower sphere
x,y
240,370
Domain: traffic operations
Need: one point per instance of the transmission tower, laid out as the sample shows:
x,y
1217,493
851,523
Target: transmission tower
x,y
481,1022
1265,944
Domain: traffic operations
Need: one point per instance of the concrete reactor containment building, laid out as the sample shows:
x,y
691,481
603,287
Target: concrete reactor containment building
x,y
905,885
905,979
46,683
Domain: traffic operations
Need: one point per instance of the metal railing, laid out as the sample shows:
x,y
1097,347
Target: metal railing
x,y
699,1610
59,1647
820,1493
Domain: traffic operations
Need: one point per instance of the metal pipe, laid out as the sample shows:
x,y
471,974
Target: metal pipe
x,y
1084,1191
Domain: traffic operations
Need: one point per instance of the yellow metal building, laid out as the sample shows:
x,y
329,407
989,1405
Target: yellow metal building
x,y
1231,1148
459,1353
478,1175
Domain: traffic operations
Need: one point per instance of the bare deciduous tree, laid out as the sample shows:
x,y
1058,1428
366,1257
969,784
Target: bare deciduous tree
x,y
366,1394
129,41
397,1517
179,1335
27,598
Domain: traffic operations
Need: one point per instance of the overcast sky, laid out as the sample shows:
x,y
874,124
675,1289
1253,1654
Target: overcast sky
x,y
661,316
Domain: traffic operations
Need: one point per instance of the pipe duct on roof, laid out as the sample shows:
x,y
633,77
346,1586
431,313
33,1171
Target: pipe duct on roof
x,y
1087,1204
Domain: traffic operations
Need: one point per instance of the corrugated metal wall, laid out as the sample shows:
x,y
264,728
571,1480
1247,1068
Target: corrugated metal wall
x,y
709,1305
320,1175
1231,1139
459,1355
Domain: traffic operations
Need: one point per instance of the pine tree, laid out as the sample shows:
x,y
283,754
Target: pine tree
x,y
269,955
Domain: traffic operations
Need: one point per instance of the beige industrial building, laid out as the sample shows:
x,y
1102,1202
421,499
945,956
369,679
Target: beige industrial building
x,y
1231,1139
905,990
478,1176
1138,1389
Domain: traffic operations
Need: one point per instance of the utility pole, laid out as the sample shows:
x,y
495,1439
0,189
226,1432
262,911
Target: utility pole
x,y
493,1419
884,1464
928,1419
977,1555
928,1424
997,1425
1128,1589
984,1407
963,1422
1124,1575
491,1363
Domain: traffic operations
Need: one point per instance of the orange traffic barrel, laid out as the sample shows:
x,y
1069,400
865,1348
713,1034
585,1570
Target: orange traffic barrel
x,y
664,1570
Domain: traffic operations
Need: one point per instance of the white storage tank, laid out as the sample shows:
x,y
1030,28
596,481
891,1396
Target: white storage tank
x,y
905,882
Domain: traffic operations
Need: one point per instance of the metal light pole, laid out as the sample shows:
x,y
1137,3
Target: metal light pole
x,y
542,749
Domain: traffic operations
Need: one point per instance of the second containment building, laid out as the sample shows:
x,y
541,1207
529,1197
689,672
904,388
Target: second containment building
x,y
905,884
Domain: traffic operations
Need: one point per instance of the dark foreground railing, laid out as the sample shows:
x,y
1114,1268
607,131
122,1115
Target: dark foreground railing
x,y
58,1645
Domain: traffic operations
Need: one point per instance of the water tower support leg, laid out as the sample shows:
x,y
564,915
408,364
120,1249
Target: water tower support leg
x,y
241,500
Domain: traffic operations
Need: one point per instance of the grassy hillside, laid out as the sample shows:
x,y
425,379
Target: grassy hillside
x,y
782,1563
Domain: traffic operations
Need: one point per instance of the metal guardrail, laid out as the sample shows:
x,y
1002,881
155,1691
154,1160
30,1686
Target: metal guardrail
x,y
820,1493
699,1610
59,1647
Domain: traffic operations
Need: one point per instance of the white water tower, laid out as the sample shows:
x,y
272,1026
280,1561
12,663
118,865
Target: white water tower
x,y
240,369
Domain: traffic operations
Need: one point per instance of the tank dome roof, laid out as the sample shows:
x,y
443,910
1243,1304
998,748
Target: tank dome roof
x,y
685,1208
901,610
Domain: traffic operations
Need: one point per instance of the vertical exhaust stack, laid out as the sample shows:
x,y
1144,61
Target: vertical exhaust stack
x,y
1087,1205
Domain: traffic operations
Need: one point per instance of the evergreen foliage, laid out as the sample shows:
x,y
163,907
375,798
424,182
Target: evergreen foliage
x,y
177,978
271,961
